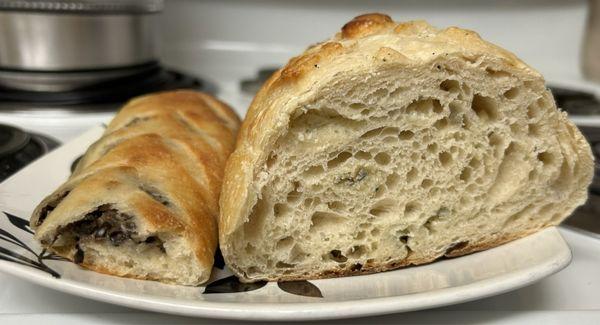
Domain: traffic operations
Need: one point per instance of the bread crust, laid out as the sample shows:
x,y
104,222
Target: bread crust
x,y
175,143
367,43
373,268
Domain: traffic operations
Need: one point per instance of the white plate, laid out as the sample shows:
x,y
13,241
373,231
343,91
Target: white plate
x,y
445,282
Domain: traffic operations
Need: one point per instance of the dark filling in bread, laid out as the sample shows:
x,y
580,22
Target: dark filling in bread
x,y
49,207
105,224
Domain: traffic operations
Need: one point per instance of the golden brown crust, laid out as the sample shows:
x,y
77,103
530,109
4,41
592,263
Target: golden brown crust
x,y
173,143
365,25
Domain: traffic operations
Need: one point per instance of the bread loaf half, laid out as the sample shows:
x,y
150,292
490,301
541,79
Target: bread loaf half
x,y
394,144
143,201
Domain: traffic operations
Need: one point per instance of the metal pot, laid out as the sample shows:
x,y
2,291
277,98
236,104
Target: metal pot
x,y
45,36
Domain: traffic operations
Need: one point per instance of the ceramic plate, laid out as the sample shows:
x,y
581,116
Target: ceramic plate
x,y
445,282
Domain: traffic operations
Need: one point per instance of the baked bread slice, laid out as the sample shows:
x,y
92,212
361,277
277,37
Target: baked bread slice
x,y
394,144
143,201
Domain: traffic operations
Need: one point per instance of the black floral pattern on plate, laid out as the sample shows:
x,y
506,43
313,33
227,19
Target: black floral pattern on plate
x,y
11,256
230,284
300,288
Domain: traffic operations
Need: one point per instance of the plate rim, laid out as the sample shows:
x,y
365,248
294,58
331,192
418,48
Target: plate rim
x,y
318,310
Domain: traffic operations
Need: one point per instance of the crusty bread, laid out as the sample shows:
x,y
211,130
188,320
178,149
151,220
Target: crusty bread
x,y
143,201
394,144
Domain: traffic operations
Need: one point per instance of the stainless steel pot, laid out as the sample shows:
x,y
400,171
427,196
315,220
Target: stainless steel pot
x,y
77,35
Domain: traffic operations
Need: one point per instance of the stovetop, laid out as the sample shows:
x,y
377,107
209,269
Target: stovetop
x,y
94,88
18,148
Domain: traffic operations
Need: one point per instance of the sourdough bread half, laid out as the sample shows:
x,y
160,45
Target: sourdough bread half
x,y
394,144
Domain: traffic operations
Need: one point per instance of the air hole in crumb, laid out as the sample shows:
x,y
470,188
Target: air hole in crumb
x,y
283,265
308,202
360,235
425,106
441,123
545,157
412,174
380,131
314,171
375,232
533,111
271,161
363,155
374,246
382,208
496,74
450,85
494,139
250,249
512,93
357,251
321,220
404,239
430,222
379,93
445,158
533,129
284,243
397,91
465,174
382,158
336,255
426,183
455,111
474,162
542,102
432,147
356,267
392,180
406,135
336,205
294,195
455,247
281,209
411,207
357,106
254,226
516,128
486,108
339,159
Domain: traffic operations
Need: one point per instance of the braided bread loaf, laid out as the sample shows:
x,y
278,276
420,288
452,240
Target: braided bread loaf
x,y
143,200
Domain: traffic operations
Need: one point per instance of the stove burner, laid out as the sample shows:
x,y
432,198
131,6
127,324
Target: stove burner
x,y
576,102
585,217
18,149
139,80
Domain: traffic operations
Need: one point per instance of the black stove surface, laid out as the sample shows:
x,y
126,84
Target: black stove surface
x,y
151,77
588,216
576,102
18,148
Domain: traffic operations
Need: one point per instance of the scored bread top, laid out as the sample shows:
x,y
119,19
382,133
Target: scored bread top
x,y
159,161
365,43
